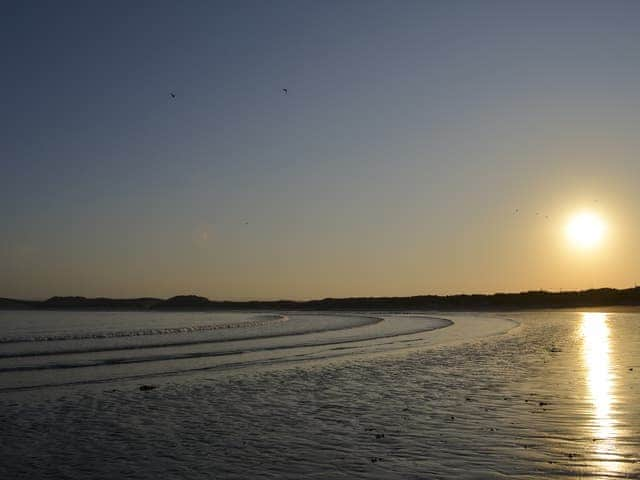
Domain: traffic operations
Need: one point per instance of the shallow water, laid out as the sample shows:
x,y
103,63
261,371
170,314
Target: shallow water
x,y
334,396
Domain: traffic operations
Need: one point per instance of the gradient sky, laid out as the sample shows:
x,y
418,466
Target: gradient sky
x,y
410,134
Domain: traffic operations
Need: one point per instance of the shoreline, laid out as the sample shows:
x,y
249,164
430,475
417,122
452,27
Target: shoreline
x,y
577,308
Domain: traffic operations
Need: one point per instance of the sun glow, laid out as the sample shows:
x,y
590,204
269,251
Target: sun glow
x,y
585,230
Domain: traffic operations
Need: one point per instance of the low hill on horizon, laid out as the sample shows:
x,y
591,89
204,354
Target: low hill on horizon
x,y
601,297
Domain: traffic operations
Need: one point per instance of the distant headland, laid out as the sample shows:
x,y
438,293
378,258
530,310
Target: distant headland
x,y
540,299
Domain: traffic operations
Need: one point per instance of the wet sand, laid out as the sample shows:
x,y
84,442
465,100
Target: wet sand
x,y
556,397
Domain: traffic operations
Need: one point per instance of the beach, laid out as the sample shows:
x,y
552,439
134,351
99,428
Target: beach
x,y
353,395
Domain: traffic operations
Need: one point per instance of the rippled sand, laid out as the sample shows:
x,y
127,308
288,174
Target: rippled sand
x,y
556,396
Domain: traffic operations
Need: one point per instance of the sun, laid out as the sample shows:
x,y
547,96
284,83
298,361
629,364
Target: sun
x,y
585,230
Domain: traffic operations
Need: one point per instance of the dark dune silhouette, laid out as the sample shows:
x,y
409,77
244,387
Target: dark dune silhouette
x,y
180,302
80,303
602,297
8,304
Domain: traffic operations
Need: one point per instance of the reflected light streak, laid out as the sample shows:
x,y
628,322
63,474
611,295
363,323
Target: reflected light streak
x,y
595,331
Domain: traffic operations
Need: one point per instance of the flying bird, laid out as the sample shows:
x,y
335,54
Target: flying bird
x,y
173,95
285,91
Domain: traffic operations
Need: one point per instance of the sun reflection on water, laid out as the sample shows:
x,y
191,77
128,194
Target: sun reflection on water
x,y
595,332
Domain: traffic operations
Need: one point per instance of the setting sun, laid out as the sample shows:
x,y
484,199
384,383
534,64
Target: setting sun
x,y
585,229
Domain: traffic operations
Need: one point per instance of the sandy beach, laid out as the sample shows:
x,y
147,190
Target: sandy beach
x,y
522,395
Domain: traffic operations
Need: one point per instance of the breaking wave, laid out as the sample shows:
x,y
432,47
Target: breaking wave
x,y
256,321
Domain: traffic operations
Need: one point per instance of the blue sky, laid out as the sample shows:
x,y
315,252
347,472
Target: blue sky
x,y
410,133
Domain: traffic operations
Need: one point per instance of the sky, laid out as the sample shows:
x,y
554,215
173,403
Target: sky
x,y
410,135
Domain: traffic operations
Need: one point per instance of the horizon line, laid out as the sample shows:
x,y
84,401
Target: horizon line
x,y
316,299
